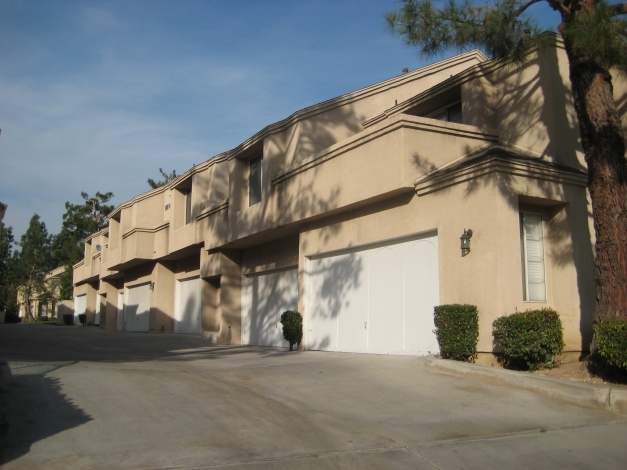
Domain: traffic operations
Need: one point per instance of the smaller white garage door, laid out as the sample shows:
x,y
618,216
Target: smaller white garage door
x,y
188,305
80,306
100,299
137,308
264,298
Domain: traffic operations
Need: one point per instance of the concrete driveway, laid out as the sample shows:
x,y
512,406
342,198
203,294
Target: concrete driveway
x,y
83,398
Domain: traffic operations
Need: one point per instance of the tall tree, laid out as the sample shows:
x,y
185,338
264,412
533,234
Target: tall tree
x,y
166,179
79,221
8,284
34,262
595,39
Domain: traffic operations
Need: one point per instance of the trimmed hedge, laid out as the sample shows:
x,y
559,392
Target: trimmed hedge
x,y
82,317
457,331
530,339
68,319
292,327
611,336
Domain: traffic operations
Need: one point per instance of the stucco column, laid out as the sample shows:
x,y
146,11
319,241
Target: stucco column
x,y
162,299
211,312
230,298
90,301
109,313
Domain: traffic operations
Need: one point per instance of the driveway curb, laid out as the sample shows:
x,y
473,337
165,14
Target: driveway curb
x,y
597,396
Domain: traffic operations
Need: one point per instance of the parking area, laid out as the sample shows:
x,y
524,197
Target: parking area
x,y
83,398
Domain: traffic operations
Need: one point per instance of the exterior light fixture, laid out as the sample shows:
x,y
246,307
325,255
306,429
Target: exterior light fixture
x,y
465,241
152,286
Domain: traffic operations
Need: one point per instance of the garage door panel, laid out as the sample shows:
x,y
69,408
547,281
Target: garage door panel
x,y
385,303
188,309
340,284
421,296
137,308
268,296
120,313
80,306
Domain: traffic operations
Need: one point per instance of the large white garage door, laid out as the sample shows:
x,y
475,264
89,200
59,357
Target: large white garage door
x,y
80,306
137,308
188,306
377,300
264,298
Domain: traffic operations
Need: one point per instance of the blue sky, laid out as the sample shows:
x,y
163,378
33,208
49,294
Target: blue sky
x,y
96,96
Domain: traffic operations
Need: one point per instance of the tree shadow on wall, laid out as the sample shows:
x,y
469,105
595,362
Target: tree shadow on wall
x,y
534,111
33,408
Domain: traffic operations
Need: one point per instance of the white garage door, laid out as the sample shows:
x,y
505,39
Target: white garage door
x,y
188,306
80,306
100,299
137,308
264,298
377,300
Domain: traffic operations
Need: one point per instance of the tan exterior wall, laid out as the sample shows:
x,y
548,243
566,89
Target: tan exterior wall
x,y
360,170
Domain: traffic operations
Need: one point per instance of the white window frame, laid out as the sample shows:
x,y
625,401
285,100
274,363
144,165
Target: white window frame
x,y
524,250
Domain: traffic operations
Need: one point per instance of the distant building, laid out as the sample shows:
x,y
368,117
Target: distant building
x,y
43,303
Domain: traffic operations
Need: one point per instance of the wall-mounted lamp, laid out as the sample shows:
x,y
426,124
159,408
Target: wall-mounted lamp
x,y
465,241
152,285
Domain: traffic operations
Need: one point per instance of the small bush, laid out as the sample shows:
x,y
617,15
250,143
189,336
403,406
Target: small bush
x,y
529,340
611,336
457,331
292,327
68,319
82,317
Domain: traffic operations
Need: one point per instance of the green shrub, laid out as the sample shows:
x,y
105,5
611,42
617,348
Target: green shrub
x,y
68,319
82,317
611,336
292,327
457,331
529,340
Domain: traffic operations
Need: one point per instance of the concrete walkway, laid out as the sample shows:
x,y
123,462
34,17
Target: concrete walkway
x,y
82,398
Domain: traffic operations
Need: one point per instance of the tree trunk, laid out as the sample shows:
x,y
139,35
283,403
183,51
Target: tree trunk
x,y
603,142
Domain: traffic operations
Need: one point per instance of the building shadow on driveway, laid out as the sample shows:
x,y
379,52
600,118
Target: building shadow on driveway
x,y
32,408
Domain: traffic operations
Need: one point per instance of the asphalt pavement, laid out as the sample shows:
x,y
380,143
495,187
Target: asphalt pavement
x,y
78,397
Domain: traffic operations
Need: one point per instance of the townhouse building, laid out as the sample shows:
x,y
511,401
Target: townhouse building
x,y
354,211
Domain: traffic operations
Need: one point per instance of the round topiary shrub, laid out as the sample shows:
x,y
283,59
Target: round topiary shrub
x,y
292,327
529,340
457,331
68,319
611,337
82,317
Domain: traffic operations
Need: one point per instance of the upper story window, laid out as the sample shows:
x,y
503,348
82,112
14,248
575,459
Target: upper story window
x,y
188,205
450,114
254,180
532,257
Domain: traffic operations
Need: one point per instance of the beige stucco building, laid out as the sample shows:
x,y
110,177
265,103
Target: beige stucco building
x,y
43,303
351,211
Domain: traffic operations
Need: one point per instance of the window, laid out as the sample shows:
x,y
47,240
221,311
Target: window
x,y
532,257
451,114
188,205
254,181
